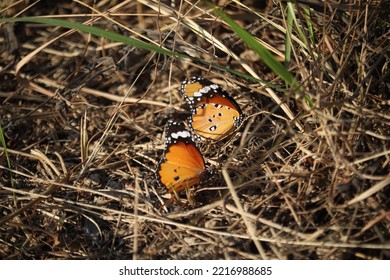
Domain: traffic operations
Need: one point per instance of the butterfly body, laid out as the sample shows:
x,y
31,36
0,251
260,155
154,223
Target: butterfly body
x,y
182,165
214,114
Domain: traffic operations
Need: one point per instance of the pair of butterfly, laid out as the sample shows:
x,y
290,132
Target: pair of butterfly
x,y
214,115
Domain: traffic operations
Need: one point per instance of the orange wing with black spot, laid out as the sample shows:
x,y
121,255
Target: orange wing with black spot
x,y
182,165
214,114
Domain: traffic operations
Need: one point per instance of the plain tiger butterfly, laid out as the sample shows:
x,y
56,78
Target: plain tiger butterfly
x,y
182,164
214,114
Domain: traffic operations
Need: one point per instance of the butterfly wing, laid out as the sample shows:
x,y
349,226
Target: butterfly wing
x,y
213,121
182,165
214,114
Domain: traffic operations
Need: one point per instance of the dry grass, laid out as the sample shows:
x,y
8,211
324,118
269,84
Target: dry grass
x,y
83,122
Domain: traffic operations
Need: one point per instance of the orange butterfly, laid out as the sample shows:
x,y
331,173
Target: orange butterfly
x,y
214,114
182,165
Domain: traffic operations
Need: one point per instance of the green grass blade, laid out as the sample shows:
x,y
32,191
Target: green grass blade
x,y
263,53
97,32
136,43
309,25
2,141
291,12
287,52
123,39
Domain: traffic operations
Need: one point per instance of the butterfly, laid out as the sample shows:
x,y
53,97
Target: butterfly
x,y
214,114
182,164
